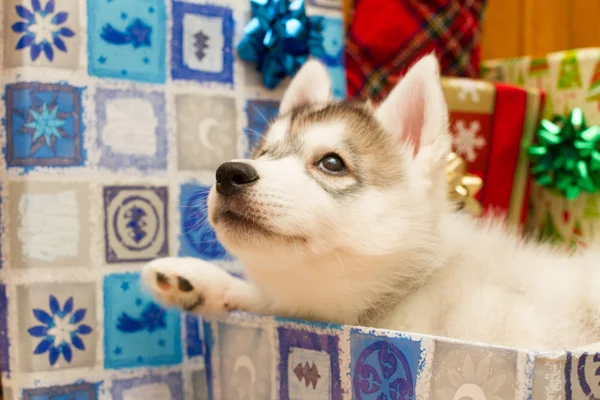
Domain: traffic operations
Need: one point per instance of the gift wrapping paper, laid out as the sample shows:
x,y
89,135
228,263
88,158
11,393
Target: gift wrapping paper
x,y
115,115
570,79
113,121
385,37
492,125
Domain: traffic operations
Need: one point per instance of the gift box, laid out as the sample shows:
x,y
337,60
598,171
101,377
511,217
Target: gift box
x,y
385,37
272,358
492,126
571,79
114,120
115,115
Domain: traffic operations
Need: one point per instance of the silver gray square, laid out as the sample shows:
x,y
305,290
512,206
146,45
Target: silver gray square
x,y
206,131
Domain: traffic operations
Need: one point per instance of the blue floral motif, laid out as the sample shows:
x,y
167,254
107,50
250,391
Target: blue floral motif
x,y
60,330
382,372
42,29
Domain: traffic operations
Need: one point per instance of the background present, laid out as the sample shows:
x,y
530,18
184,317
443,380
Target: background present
x,y
524,35
514,28
115,117
571,80
492,126
385,37
187,103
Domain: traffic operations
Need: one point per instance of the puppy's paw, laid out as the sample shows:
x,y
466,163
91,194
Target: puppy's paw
x,y
188,283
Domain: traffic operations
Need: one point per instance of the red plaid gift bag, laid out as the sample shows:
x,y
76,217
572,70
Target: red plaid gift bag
x,y
387,36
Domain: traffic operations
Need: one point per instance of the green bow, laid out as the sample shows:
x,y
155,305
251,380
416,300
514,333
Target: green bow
x,y
567,156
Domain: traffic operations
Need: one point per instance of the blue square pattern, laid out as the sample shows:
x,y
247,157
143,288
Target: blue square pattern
x,y
259,114
244,351
135,223
198,238
383,367
137,331
4,343
77,391
43,125
126,39
169,386
309,364
202,43
193,338
333,44
131,140
208,338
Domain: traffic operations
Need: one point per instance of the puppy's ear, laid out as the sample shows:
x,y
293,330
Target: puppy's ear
x,y
311,85
416,115
415,112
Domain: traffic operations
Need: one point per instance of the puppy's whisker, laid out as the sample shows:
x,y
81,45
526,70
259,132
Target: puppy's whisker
x,y
260,113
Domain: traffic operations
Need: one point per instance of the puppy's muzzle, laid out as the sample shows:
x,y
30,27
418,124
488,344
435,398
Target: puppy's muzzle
x,y
234,177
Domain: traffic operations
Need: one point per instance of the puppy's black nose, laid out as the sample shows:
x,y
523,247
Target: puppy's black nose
x,y
233,177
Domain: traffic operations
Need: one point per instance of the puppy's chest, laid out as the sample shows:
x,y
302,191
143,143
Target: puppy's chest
x,y
323,296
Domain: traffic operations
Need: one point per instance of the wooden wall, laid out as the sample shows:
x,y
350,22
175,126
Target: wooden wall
x,y
518,27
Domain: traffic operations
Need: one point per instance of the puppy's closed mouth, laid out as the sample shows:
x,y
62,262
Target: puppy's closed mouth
x,y
249,226
231,217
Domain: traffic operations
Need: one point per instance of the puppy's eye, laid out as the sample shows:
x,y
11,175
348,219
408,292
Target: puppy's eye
x,y
332,164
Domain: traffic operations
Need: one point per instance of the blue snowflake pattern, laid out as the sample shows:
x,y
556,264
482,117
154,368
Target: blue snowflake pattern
x,y
60,330
44,122
42,29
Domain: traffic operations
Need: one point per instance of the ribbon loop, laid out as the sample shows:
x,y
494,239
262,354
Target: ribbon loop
x,y
567,156
462,187
279,38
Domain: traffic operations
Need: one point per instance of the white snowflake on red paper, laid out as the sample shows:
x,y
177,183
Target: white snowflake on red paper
x,y
465,140
469,88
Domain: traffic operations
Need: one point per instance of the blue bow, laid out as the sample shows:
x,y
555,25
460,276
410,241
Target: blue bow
x,y
279,38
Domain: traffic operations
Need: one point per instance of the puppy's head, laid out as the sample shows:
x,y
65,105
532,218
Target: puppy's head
x,y
339,176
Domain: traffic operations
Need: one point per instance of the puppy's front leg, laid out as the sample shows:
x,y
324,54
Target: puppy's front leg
x,y
200,287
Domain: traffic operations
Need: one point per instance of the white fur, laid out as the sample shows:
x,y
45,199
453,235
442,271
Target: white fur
x,y
324,136
278,131
392,258
308,86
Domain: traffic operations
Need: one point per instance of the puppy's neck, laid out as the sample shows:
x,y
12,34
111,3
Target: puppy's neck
x,y
340,286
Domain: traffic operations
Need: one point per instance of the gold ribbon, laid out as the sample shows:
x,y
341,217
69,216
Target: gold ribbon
x,y
462,187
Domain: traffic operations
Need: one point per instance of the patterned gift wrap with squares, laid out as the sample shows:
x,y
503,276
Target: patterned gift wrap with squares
x,y
570,79
115,114
491,127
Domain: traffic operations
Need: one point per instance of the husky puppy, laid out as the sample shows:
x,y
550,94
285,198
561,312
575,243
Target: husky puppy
x,y
341,215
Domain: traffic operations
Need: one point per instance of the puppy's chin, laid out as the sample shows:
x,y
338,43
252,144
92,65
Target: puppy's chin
x,y
241,228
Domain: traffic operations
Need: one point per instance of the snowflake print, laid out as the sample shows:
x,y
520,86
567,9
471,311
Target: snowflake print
x,y
41,29
469,382
468,88
465,140
60,330
44,122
